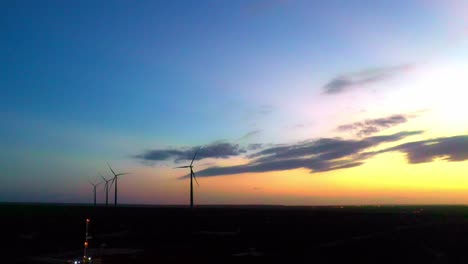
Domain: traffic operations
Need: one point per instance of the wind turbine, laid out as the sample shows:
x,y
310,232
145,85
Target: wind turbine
x,y
114,180
94,190
192,176
106,186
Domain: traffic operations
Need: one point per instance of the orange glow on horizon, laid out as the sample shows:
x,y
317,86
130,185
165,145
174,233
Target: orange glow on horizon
x,y
384,179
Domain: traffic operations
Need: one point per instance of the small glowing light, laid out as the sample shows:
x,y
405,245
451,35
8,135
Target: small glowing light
x,y
89,258
87,220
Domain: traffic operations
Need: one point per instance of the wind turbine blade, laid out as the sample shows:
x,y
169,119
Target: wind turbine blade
x,y
112,182
182,167
195,156
195,178
121,174
111,168
102,177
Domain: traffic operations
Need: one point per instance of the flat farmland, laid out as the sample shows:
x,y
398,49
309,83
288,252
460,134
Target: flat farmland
x,y
36,233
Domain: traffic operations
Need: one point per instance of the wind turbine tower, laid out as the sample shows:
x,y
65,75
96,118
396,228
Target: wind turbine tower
x,y
94,190
192,176
107,186
114,180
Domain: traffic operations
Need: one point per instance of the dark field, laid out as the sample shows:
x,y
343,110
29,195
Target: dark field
x,y
366,234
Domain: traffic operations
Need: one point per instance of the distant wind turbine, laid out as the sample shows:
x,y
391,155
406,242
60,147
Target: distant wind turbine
x,y
114,180
192,176
107,186
94,190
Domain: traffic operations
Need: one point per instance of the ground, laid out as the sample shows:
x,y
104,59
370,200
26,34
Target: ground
x,y
237,234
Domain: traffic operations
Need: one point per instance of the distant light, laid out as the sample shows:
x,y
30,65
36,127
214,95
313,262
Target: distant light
x,y
87,220
89,258
76,262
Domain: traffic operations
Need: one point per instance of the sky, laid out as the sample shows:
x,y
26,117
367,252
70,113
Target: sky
x,y
291,102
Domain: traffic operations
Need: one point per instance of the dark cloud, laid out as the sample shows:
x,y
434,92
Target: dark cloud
x,y
250,134
345,82
260,167
254,146
371,126
338,84
215,150
449,148
319,155
314,164
324,154
327,148
164,154
220,150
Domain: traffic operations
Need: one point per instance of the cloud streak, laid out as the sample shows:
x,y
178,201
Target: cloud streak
x,y
215,150
251,134
320,155
449,148
371,126
266,109
346,82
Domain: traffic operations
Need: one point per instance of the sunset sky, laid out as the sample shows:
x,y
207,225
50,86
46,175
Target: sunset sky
x,y
292,102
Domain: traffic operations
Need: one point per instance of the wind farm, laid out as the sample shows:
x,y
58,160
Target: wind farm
x,y
108,183
237,131
238,233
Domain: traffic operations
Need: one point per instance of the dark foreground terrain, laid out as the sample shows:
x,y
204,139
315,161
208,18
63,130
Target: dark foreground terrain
x,y
370,234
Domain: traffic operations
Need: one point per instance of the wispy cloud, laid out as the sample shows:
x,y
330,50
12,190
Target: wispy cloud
x,y
266,109
302,125
319,155
371,126
253,115
345,82
250,134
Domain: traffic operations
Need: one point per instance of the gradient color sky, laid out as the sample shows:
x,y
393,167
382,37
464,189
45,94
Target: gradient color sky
x,y
294,102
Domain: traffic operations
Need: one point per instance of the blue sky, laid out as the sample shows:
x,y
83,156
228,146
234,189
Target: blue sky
x,y
87,82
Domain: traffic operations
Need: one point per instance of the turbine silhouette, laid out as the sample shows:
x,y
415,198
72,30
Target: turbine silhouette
x,y
114,181
192,176
107,186
94,190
